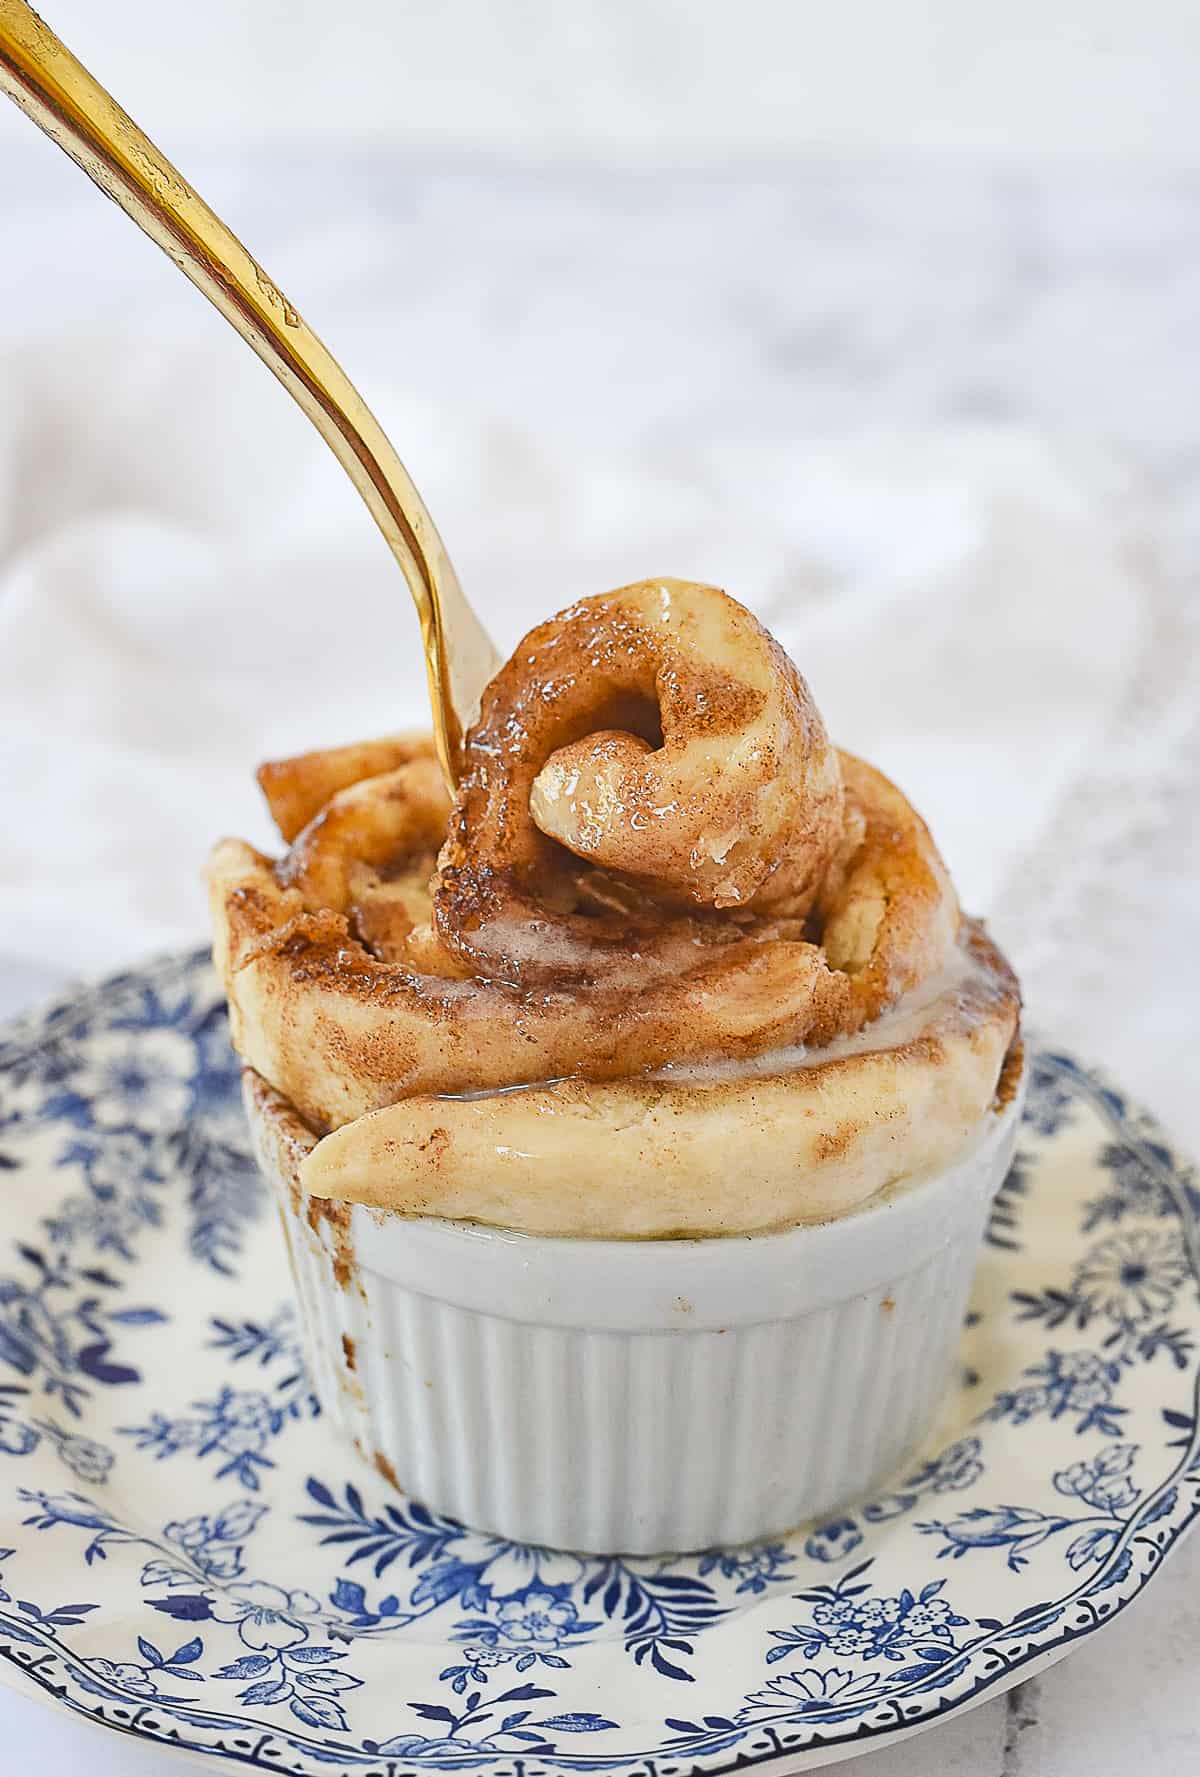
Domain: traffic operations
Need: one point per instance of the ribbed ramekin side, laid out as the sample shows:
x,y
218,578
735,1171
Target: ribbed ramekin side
x,y
638,1440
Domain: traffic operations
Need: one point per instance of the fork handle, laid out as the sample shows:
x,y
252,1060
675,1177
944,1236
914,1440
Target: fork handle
x,y
74,110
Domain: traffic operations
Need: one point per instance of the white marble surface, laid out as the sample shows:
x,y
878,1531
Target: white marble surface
x,y
691,319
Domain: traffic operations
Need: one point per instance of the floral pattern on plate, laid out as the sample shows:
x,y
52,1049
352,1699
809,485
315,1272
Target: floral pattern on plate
x,y
250,1592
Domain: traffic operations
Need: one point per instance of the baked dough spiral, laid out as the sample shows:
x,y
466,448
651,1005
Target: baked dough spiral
x,y
656,865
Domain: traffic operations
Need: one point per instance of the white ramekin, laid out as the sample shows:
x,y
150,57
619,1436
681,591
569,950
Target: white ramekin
x,y
637,1396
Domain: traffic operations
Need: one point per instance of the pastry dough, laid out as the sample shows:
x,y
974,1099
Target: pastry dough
x,y
678,967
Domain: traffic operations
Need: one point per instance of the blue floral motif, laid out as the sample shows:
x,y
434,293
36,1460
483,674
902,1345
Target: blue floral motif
x,y
238,1424
225,1195
32,1616
462,1744
267,1616
123,1171
915,1636
193,1551
116,1083
57,1326
1130,1277
833,1540
263,1610
128,1675
1102,1482
151,1090
1082,1383
1004,1217
539,1619
143,1678
1050,1096
1127,1283
528,1629
17,1436
1134,1186
959,1465
807,1692
211,1545
660,1606
83,1456
298,1676
845,1620
753,1569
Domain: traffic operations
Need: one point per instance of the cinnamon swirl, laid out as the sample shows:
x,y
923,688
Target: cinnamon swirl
x,y
670,965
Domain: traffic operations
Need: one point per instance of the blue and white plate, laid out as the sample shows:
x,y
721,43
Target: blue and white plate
x,y
189,1556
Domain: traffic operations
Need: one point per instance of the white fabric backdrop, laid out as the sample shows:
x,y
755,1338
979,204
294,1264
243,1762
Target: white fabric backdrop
x,y
655,78
187,585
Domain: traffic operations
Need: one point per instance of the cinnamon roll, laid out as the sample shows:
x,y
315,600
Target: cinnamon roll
x,y
670,965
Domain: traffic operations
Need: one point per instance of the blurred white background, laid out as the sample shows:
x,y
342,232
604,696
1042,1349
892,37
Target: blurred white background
x,y
883,315
682,79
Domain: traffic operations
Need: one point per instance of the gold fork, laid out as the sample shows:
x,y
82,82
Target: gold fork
x,y
61,97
